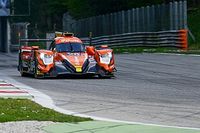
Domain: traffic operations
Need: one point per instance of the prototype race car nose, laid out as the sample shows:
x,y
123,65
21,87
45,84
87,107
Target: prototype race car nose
x,y
76,61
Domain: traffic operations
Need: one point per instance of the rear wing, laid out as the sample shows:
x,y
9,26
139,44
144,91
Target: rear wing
x,y
57,34
25,41
63,34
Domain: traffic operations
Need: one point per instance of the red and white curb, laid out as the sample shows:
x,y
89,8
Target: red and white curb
x,y
10,91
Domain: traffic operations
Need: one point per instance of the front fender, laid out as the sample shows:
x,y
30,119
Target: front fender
x,y
108,67
44,68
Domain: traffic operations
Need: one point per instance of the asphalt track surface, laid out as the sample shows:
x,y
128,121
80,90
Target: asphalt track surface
x,y
149,88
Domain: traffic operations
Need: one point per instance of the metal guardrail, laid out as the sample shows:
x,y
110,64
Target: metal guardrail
x,y
35,40
30,40
173,38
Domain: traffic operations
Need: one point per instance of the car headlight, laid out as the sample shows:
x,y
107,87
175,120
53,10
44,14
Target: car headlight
x,y
106,58
47,59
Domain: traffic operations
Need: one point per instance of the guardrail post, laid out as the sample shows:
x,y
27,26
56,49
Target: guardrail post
x,y
185,14
152,20
115,23
137,20
119,23
111,24
175,15
143,19
123,22
181,17
133,21
104,24
93,26
90,37
19,38
171,16
129,21
148,19
163,21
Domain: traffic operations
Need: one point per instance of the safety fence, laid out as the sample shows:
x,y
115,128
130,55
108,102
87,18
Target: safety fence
x,y
172,38
163,17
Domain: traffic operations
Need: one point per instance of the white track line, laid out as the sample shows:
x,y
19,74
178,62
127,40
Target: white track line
x,y
47,101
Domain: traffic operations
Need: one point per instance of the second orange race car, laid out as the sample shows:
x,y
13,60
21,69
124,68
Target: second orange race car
x,y
66,55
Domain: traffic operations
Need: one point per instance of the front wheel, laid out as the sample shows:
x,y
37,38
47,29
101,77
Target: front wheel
x,y
104,74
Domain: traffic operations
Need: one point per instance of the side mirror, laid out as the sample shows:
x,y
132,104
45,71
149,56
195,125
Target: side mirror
x,y
90,50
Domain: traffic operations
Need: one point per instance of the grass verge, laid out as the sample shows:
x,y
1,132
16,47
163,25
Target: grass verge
x,y
141,49
154,50
21,110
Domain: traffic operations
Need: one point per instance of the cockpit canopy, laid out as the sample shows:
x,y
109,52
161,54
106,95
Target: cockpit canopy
x,y
70,47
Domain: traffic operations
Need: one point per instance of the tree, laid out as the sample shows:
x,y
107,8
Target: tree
x,y
47,13
80,8
87,8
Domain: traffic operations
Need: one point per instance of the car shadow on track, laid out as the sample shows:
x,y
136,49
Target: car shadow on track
x,y
81,77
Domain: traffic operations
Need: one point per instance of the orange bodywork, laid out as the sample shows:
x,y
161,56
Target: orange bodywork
x,y
26,53
76,59
68,39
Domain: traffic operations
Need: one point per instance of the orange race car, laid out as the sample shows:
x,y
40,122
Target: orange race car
x,y
66,55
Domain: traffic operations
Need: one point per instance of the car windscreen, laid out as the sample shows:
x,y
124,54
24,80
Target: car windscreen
x,y
70,47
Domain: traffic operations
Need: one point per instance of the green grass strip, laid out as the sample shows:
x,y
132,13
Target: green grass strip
x,y
154,50
24,109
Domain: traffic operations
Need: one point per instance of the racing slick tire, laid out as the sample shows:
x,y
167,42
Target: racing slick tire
x,y
23,74
20,68
104,75
36,70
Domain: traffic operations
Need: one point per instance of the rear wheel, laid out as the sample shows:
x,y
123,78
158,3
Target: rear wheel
x,y
21,70
35,70
23,74
36,75
20,67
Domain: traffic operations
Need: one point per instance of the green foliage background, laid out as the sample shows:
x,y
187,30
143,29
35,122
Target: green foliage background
x,y
46,15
